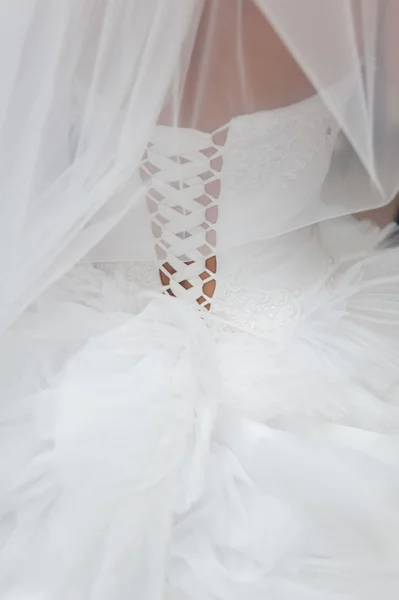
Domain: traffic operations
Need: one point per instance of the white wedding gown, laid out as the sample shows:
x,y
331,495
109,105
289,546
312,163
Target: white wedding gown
x,y
152,449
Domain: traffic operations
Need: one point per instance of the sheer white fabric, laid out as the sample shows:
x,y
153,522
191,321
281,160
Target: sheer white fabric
x,y
76,76
85,82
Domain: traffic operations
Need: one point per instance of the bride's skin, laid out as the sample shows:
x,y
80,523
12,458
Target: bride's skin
x,y
238,66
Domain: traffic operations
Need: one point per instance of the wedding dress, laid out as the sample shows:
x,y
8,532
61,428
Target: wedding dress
x,y
212,425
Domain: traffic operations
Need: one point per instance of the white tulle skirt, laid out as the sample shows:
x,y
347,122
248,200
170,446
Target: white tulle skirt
x,y
148,455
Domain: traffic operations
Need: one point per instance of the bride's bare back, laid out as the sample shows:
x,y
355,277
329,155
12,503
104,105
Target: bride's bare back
x,y
238,65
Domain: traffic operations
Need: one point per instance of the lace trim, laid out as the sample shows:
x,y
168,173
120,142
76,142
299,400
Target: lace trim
x,y
273,313
144,275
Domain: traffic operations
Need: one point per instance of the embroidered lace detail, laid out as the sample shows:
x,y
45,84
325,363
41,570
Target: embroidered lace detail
x,y
144,274
273,150
270,313
238,306
182,174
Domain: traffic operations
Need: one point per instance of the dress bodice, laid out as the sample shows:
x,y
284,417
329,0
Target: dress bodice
x,y
203,189
270,166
